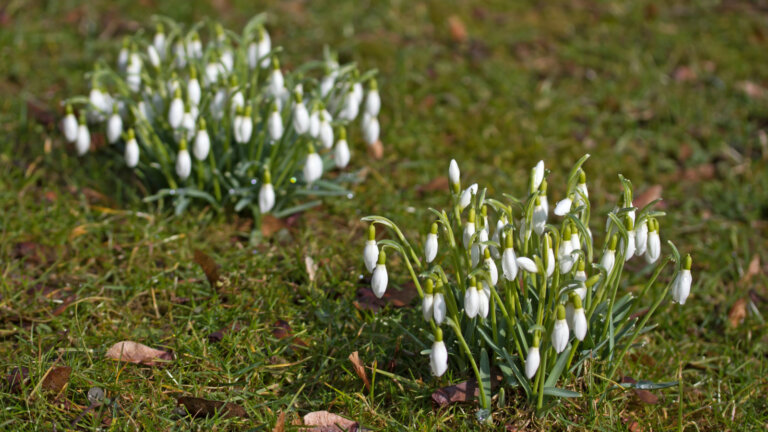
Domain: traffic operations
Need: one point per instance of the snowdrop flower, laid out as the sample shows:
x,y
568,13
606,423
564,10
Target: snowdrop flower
x,y
609,256
276,82
69,125
101,104
472,300
564,206
653,248
300,115
236,99
565,255
508,258
641,237
159,41
466,196
114,126
194,93
379,279
527,264
469,229
575,241
176,110
237,125
539,216
478,248
266,193
681,286
183,161
629,247
314,121
371,251
275,124
326,131
372,99
351,106
533,359
145,111
122,56
181,54
195,47
328,81
490,264
454,176
549,263
438,356
560,331
212,71
430,246
581,276
83,140
370,129
202,141
543,196
188,124
313,167
341,150
260,49
537,176
496,238
246,126
439,303
485,301
579,319
428,302
154,56
131,150
227,60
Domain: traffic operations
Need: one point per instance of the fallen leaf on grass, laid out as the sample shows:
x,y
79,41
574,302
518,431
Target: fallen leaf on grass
x,y
438,184
376,150
753,90
33,252
280,423
17,378
270,225
55,380
209,266
218,335
753,269
466,391
359,369
366,300
457,28
325,421
644,396
198,407
134,352
647,196
738,312
41,113
283,330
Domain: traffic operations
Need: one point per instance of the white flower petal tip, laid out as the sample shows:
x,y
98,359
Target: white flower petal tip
x,y
370,255
563,207
532,362
560,335
379,280
527,264
454,175
579,324
438,358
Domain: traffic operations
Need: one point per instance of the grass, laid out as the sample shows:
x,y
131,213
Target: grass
x,y
653,91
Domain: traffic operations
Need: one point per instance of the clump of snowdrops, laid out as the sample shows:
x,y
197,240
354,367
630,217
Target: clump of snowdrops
x,y
513,285
222,121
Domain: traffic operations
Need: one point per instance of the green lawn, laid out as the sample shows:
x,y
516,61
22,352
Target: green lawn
x,y
673,93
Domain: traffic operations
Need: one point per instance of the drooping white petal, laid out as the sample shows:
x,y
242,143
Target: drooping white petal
x,y
202,145
550,262
341,154
131,153
300,118
453,172
313,168
641,238
326,133
527,264
560,335
83,141
439,308
469,231
471,302
493,272
114,128
681,287
370,255
176,113
539,218
246,129
427,306
538,175
430,247
653,250
266,198
438,358
379,280
69,126
608,260
579,324
629,249
275,126
563,207
372,103
183,164
484,302
466,196
370,129
532,362
193,91
509,264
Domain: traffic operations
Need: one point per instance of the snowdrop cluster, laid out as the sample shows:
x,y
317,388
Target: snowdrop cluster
x,y
208,114
530,290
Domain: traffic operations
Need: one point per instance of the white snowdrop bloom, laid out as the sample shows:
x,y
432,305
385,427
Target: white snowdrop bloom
x,y
131,150
83,140
539,217
454,175
681,286
275,82
430,245
496,238
313,167
69,125
227,60
629,247
341,154
509,260
183,161
202,145
122,56
237,100
533,359
373,100
566,259
428,302
357,90
159,41
275,125
537,176
300,116
217,104
581,276
490,264
134,63
549,257
469,229
379,279
181,54
326,132
237,126
266,194
560,331
193,91
484,305
371,251
314,122
145,111
101,104
133,81
370,129
438,356
653,248
527,264
472,301
114,127
439,306
258,51
154,56
575,240
195,47
478,249
246,125
563,207
350,108
327,83
641,237
176,110
608,260
188,125
466,196
212,72
581,188
579,320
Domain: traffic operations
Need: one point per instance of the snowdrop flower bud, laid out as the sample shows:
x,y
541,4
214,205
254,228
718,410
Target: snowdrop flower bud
x,y
579,319
131,150
430,246
379,279
581,189
237,99
193,88
564,254
276,82
188,123
609,257
313,167
326,131
508,258
195,48
372,99
159,41
537,176
69,125
237,125
454,176
581,276
466,196
212,71
575,241
629,248
246,127
439,303
176,110
472,300
275,124
543,196
122,56
300,115
484,305
527,264
259,49
134,64
83,140
641,237
341,150
469,229
266,193
98,103
154,56
560,331
533,359
428,302
438,357
490,264
478,248
681,287
371,251
183,161
350,107
370,129
549,258
314,121
539,216
202,142
653,249
564,206
181,54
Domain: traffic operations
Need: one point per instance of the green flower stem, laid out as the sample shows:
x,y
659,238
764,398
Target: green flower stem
x,y
214,177
614,291
464,345
541,376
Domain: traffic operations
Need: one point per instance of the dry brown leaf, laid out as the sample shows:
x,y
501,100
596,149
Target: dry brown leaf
x,y
198,407
462,392
218,335
311,267
753,269
366,300
280,423
457,28
134,352
282,330
326,421
738,312
702,172
17,378
437,184
270,225
644,396
376,150
55,380
209,266
752,89
649,195
359,369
